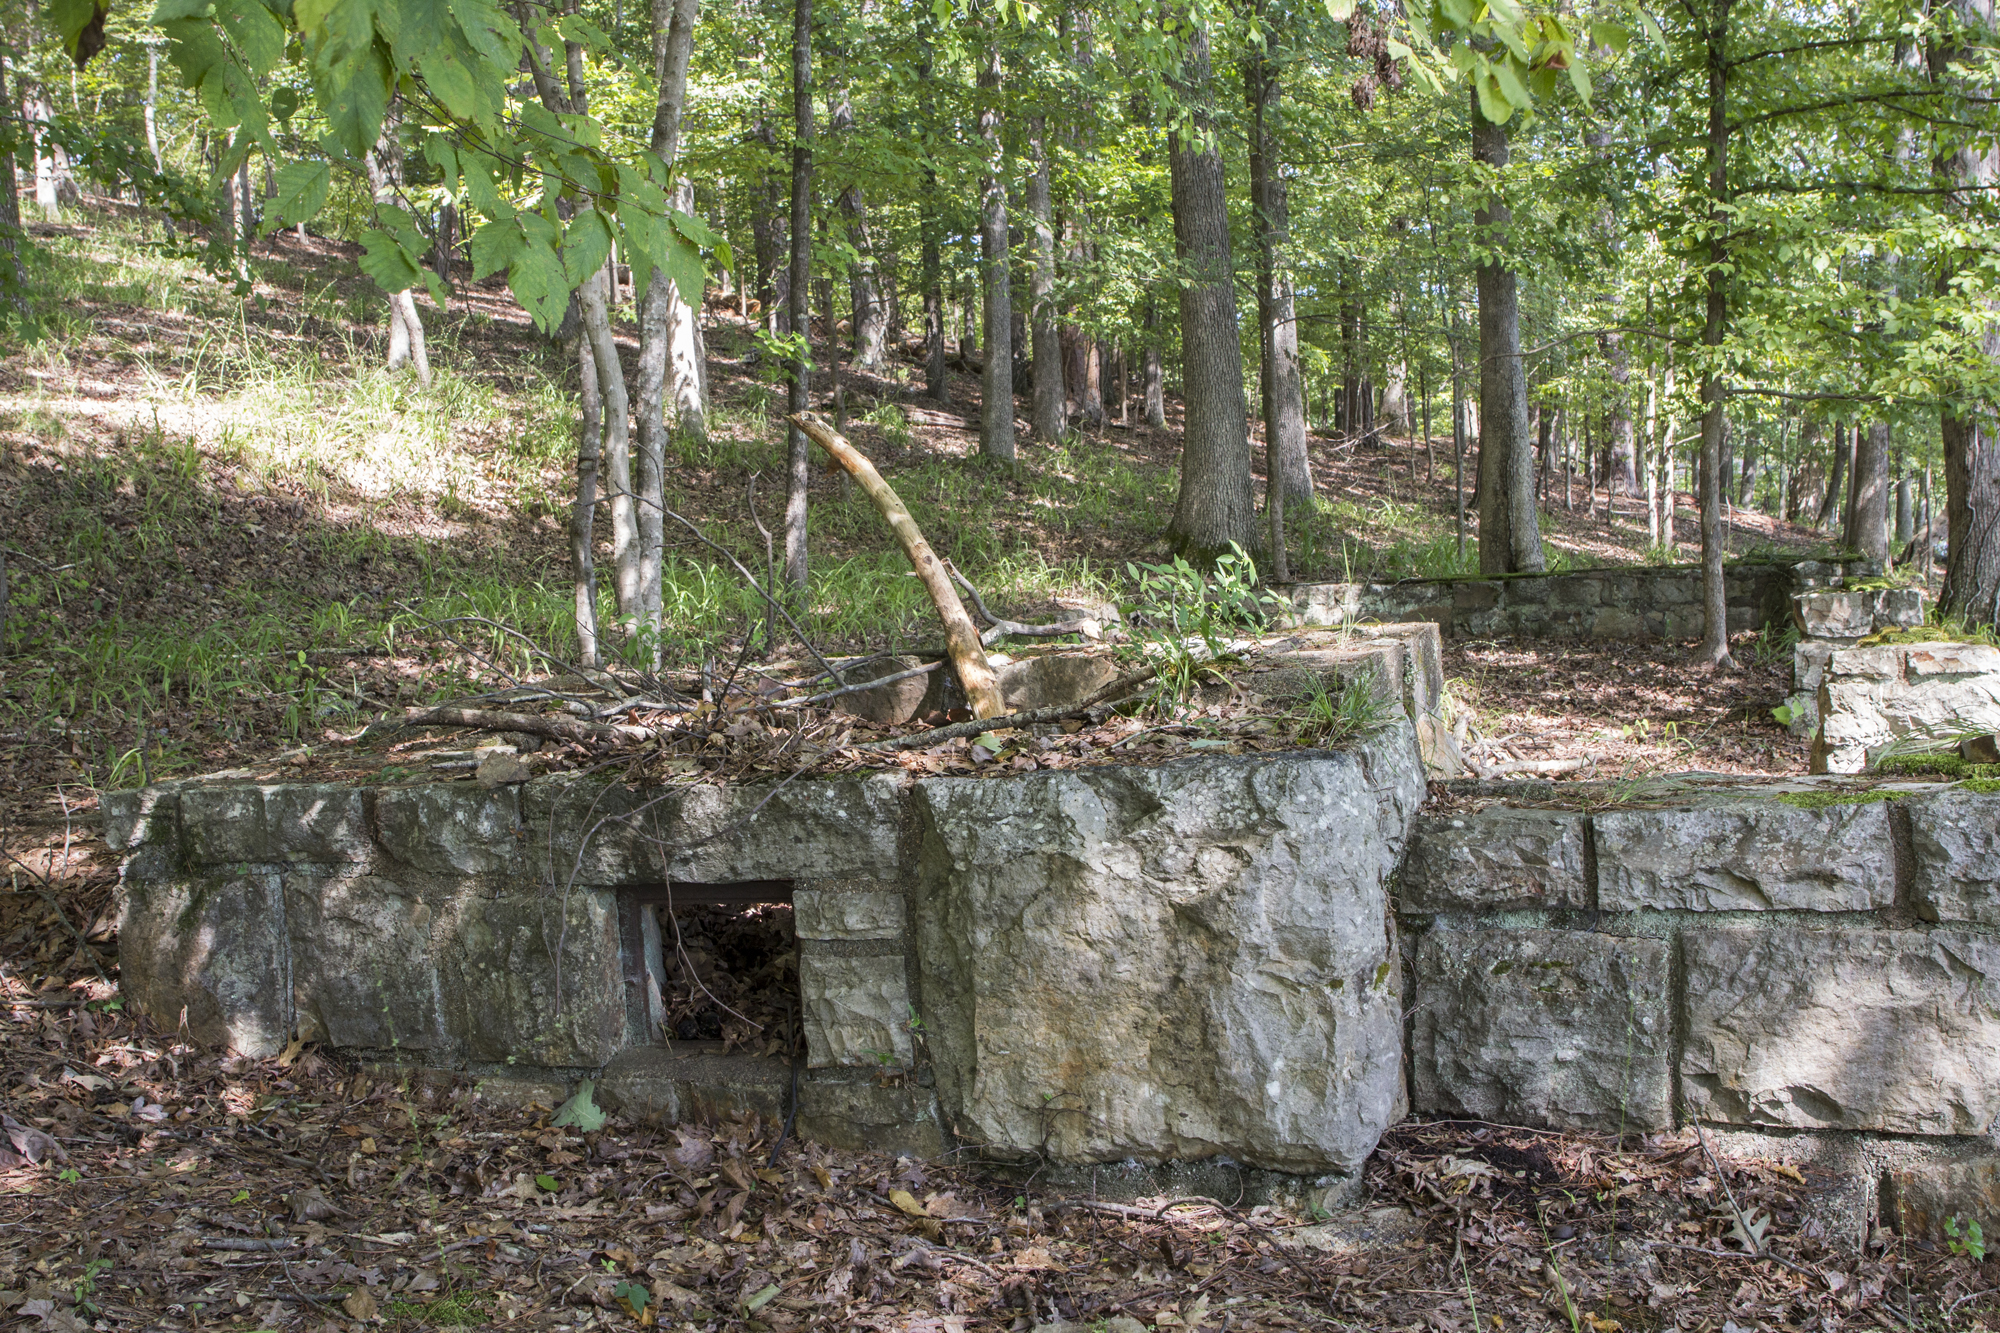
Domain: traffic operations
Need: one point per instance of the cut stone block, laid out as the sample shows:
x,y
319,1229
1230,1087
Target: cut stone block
x,y
1542,1027
1172,962
362,967
830,914
1872,697
132,818
525,980
212,948
1919,1200
693,1083
1895,1031
1834,614
857,1010
223,825
808,830
1755,855
1956,837
894,703
322,823
1499,857
595,833
868,1117
452,828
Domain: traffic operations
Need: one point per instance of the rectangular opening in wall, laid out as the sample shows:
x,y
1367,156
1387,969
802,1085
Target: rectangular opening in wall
x,y
718,966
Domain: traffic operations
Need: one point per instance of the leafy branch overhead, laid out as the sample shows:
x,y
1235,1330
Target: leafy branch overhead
x,y
552,192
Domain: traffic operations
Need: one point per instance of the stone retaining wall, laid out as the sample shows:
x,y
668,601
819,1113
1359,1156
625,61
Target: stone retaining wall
x,y
1165,963
1626,602
1724,956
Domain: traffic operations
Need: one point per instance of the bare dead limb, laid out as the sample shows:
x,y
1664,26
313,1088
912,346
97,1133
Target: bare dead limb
x,y
1528,766
856,688
1116,691
1000,629
961,638
553,726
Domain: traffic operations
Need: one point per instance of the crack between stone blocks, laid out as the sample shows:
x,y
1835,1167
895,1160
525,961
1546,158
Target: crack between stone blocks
x,y
1677,1028
1904,907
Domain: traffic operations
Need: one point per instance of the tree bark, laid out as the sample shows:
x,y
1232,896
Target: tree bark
x,y
406,330
996,409
1869,533
1509,536
583,510
1286,465
1048,415
1153,375
937,386
1624,448
1215,508
798,398
1714,394
1971,588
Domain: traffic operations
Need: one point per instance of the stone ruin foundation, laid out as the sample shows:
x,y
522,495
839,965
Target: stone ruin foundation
x,y
1229,972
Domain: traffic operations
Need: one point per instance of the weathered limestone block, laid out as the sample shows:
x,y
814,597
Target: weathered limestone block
x,y
1171,962
669,1087
809,830
1326,603
1498,857
1542,1027
857,1010
1919,1199
863,1115
894,703
452,828
1956,837
1872,696
833,914
1843,1029
362,968
320,823
1725,855
134,818
223,825
214,948
1048,679
1834,614
598,833
526,980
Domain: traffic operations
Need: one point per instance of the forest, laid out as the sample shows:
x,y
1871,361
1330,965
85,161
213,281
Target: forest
x,y
428,405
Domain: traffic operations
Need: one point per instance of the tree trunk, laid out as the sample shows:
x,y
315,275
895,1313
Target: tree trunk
x,y
798,398
1215,508
936,384
864,289
1153,375
1870,533
1509,539
996,409
583,510
406,330
1624,449
1048,415
1286,465
1836,478
1714,594
1906,523
1971,588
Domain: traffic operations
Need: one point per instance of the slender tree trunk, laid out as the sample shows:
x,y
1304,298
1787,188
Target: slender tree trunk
x,y
1509,539
1624,449
1971,588
864,289
406,330
1714,394
583,511
1286,465
1836,479
996,410
1215,507
798,452
1906,522
936,384
1048,415
1153,375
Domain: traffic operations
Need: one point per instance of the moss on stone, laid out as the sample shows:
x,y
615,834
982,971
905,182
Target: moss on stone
x,y
1942,764
1820,800
1984,786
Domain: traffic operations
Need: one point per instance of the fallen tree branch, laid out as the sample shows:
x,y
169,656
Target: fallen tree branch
x,y
1117,691
1000,628
1527,766
856,688
961,638
552,726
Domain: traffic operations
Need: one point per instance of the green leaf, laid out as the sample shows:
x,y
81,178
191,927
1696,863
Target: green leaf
x,y
1493,103
540,284
683,264
763,1298
547,1182
634,1296
580,1110
495,246
695,229
493,35
1340,10
71,18
575,28
354,106
169,10
1614,36
1579,78
384,259
302,192
1507,73
194,49
284,102
479,186
258,35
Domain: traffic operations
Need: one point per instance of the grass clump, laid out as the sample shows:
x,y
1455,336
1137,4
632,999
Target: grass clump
x,y
1328,718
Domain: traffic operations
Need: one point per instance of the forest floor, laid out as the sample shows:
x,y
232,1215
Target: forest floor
x,y
229,535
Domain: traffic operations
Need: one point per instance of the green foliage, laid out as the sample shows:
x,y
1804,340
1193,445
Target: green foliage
x,y
1184,621
1968,1239
580,1111
1327,717
1823,800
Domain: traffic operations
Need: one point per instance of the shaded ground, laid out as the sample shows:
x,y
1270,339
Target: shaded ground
x,y
177,1190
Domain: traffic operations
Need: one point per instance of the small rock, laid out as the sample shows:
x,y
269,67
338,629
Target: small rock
x,y
499,768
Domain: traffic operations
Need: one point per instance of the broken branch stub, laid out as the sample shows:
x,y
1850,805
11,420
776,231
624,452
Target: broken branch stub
x,y
961,637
